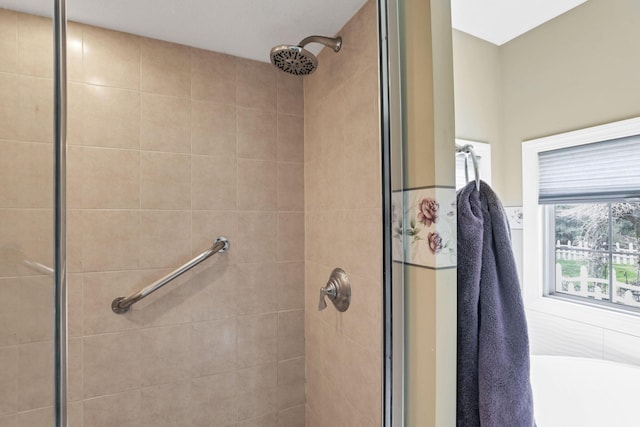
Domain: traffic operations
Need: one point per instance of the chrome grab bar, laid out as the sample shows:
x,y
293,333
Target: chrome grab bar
x,y
123,304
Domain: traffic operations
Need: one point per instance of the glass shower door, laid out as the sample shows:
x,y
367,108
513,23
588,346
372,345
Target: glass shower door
x,y
26,219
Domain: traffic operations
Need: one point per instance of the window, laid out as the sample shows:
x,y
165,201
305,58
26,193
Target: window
x,y
595,255
581,197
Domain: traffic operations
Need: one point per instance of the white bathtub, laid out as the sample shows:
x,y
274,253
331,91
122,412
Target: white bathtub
x,y
578,392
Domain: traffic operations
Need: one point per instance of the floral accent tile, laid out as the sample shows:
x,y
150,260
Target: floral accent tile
x,y
515,217
424,227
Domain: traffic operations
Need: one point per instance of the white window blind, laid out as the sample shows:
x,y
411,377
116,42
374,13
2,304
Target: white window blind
x,y
600,171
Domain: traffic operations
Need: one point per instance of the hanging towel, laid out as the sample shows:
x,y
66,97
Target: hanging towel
x,y
494,389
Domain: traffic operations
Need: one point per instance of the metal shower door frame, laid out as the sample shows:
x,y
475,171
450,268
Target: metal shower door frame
x,y
60,213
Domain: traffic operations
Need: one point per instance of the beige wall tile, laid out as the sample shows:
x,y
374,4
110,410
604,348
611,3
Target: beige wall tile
x,y
213,183
166,357
206,226
214,292
111,363
35,382
257,290
158,209
165,123
290,138
26,235
122,409
363,321
269,420
290,334
8,41
290,285
256,403
74,240
166,405
74,370
256,388
363,174
25,173
38,417
110,117
111,179
75,93
362,106
111,58
290,94
165,180
257,134
257,185
75,67
213,129
257,340
213,347
363,387
291,383
9,311
165,238
292,417
213,398
290,186
165,68
34,109
75,295
75,166
36,309
99,291
9,105
257,237
35,45
290,236
257,378
8,380
256,84
111,240
169,305
213,76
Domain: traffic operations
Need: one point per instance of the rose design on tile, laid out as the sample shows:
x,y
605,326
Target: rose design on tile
x,y
428,211
435,242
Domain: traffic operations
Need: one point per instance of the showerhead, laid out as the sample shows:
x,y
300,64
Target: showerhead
x,y
299,61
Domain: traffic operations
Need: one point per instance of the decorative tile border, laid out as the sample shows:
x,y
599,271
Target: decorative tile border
x,y
514,215
424,227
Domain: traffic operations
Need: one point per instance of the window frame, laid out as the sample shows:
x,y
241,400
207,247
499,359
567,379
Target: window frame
x,y
535,278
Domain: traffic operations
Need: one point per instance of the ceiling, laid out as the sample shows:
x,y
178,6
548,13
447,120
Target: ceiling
x,y
249,28
498,21
246,28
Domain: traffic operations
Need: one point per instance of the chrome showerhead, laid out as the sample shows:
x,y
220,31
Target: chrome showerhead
x,y
299,61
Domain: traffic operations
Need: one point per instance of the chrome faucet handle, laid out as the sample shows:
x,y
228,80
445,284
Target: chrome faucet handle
x,y
330,291
338,289
323,304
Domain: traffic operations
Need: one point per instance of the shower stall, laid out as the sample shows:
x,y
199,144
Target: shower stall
x,y
127,157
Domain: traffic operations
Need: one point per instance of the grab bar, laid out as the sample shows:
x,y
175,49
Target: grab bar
x,y
122,304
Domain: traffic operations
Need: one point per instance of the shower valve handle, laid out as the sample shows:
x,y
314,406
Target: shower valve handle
x,y
338,289
329,291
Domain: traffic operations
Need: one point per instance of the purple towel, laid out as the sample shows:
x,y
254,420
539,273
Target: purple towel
x,y
494,389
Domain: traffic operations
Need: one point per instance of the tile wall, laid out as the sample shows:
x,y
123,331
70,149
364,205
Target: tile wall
x,y
343,229
169,147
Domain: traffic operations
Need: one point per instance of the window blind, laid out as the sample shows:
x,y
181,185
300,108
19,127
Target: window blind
x,y
604,171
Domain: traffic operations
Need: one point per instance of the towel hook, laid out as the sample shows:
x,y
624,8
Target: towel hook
x,y
468,151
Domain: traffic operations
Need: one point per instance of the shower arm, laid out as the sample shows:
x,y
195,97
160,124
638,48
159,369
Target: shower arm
x,y
334,43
